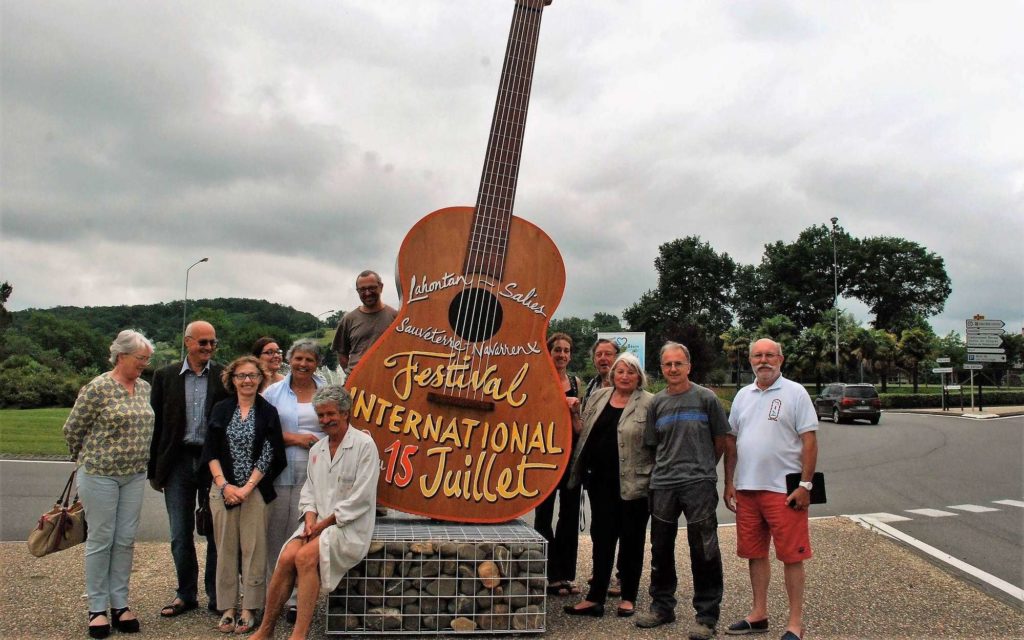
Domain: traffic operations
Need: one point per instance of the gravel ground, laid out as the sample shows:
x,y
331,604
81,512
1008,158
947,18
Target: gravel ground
x,y
860,585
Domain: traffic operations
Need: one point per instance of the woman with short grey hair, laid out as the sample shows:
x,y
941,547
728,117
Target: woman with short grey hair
x,y
108,433
293,398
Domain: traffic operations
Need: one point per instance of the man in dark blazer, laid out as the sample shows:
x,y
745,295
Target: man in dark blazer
x,y
183,394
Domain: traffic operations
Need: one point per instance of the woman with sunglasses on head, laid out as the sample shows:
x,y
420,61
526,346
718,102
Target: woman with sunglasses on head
x,y
245,453
293,399
270,354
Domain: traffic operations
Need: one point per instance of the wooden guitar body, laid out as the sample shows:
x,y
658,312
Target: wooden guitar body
x,y
469,430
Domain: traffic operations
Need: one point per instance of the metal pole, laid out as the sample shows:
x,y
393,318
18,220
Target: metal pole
x,y
184,306
835,283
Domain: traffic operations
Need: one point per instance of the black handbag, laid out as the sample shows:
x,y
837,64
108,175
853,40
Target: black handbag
x,y
204,519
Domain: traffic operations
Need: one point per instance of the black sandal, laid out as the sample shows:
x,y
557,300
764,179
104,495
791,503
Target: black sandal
x,y
124,626
99,630
177,608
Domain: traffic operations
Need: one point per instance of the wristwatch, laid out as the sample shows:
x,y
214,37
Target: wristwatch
x,y
807,485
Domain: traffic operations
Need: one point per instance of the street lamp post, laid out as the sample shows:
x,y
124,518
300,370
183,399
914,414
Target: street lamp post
x,y
835,283
184,305
318,323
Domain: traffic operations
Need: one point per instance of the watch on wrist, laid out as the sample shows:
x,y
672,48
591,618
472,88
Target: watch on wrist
x,y
807,485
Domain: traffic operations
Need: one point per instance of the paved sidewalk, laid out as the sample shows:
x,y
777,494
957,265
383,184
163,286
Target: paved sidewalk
x,y
967,412
859,585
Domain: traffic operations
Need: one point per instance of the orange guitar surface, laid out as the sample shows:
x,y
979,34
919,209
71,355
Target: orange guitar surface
x,y
468,431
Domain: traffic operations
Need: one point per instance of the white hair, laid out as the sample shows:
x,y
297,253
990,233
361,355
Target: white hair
x,y
127,342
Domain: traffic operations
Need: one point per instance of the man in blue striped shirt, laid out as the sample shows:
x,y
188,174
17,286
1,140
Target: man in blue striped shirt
x,y
686,427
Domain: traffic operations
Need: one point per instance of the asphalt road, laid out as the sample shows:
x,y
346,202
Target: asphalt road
x,y
907,462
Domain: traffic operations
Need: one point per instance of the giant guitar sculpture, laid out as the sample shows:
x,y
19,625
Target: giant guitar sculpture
x,y
459,393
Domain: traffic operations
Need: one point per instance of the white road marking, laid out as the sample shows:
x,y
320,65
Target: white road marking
x,y
997,583
931,513
973,508
882,517
1010,503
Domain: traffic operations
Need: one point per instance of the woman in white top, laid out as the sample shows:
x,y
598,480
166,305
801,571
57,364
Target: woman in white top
x,y
293,399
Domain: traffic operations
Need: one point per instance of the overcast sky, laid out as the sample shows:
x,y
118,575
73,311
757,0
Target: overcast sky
x,y
294,144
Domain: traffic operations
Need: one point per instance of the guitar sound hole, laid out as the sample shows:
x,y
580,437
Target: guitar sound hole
x,y
475,315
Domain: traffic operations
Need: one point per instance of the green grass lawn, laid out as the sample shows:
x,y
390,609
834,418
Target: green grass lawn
x,y
33,431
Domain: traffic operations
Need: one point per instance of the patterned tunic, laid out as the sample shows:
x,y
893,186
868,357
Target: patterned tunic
x,y
241,433
109,429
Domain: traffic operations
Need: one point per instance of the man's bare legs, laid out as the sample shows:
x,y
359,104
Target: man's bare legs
x,y
760,576
794,575
279,589
307,564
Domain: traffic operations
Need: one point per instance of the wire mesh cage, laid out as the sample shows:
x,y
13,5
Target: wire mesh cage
x,y
426,577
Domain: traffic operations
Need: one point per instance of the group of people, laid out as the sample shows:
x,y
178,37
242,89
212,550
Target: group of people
x,y
291,488
263,464
653,457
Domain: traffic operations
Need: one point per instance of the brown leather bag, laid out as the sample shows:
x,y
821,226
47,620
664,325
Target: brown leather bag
x,y
62,527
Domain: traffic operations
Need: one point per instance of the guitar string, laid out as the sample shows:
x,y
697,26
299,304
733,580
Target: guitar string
x,y
504,165
470,316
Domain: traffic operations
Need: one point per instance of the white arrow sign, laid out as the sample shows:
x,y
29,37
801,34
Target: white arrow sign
x,y
985,324
985,357
984,350
983,341
985,332
942,370
974,367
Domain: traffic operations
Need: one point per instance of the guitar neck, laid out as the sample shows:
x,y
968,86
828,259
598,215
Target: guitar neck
x,y
489,235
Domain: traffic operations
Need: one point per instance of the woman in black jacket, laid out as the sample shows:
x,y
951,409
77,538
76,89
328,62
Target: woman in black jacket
x,y
245,452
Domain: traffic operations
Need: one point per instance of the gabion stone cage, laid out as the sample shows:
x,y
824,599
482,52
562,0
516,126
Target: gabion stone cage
x,y
426,577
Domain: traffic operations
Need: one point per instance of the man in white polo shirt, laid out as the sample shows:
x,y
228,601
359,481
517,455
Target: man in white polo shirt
x,y
772,428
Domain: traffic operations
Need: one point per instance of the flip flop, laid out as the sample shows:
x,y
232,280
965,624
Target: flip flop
x,y
226,624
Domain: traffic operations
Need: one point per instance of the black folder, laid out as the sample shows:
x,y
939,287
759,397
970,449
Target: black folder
x,y
817,493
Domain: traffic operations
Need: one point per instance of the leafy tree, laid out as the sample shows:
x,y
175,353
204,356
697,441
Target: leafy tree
x,y
778,327
811,355
5,293
736,344
915,346
899,280
691,302
795,279
583,333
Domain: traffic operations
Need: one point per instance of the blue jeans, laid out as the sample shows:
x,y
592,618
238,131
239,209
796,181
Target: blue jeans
x,y
112,507
180,495
697,501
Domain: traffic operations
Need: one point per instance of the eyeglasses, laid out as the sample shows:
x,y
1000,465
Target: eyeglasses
x,y
142,359
674,365
247,376
272,352
367,289
204,342
765,356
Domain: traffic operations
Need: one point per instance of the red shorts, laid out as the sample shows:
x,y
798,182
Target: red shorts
x,y
762,516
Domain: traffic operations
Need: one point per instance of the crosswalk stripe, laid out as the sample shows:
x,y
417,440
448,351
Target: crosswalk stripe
x,y
884,517
931,513
1010,503
973,508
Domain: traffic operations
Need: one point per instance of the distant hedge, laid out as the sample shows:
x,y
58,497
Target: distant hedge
x,y
930,400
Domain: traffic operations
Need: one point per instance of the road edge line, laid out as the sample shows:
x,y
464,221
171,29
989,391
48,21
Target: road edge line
x,y
989,579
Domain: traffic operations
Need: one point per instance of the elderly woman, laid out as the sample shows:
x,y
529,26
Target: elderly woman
x,y
271,356
337,508
613,464
108,433
563,541
293,398
245,454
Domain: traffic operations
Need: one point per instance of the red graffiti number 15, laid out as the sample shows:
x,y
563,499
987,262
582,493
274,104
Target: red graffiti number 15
x,y
399,457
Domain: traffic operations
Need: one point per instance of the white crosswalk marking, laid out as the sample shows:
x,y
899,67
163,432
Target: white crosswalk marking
x,y
1010,503
931,513
884,517
973,508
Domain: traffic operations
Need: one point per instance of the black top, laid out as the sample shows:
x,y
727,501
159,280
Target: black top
x,y
601,455
267,429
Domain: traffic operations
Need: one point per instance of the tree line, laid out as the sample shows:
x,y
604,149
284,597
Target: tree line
x,y
47,355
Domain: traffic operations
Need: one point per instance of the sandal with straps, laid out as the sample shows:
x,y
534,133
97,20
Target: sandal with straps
x,y
124,626
99,630
247,625
226,624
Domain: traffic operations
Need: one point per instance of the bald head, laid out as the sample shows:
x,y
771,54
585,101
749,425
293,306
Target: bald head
x,y
766,361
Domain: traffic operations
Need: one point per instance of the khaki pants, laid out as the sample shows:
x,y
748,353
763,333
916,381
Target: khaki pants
x,y
241,530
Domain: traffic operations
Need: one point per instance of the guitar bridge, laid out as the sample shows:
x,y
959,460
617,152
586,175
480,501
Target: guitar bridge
x,y
455,401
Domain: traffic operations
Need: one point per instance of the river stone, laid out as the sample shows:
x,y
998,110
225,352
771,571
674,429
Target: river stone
x,y
448,549
468,551
422,548
527,618
384,619
517,594
463,625
532,562
461,605
489,574
449,567
375,546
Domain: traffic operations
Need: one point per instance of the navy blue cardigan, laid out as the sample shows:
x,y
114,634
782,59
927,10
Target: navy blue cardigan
x,y
268,428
